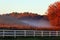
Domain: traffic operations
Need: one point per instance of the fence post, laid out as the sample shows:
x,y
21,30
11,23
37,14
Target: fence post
x,y
34,33
14,33
56,33
24,33
49,33
42,33
3,33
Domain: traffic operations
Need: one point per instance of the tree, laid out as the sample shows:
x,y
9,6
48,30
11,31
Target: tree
x,y
54,14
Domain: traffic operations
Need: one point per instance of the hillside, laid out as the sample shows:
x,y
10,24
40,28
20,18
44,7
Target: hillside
x,y
24,20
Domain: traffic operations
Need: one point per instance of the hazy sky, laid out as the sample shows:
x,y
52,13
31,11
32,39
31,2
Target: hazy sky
x,y
35,6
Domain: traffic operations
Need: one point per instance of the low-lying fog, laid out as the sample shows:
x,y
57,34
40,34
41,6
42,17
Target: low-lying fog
x,y
37,23
28,21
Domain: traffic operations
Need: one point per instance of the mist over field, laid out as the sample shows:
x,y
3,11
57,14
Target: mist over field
x,y
37,22
24,19
29,20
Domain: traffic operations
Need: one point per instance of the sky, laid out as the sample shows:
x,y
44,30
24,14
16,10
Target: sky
x,y
34,6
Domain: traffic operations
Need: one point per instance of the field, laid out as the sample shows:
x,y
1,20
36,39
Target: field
x,y
31,38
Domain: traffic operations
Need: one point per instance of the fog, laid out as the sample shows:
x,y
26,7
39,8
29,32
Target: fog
x,y
37,23
26,21
10,20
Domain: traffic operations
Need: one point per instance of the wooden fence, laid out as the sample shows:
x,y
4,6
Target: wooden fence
x,y
28,33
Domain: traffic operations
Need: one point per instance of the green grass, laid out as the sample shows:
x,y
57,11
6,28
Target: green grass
x,y
30,38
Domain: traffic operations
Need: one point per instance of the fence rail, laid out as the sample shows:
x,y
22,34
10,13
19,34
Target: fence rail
x,y
28,33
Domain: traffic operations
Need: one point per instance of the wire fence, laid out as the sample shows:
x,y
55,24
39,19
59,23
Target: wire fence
x,y
28,33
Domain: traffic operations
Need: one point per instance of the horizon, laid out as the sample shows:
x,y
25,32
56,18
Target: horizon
x,y
35,6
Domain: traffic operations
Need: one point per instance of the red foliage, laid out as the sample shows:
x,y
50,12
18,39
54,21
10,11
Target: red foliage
x,y
16,26
54,14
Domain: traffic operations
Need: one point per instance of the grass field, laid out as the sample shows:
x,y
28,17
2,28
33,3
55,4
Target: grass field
x,y
30,38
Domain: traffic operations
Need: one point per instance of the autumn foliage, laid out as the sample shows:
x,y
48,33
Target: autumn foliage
x,y
54,14
20,15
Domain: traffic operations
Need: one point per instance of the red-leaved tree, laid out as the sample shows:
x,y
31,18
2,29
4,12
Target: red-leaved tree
x,y
54,14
